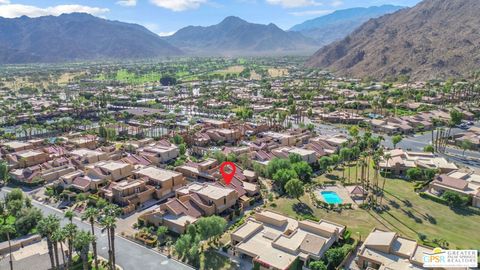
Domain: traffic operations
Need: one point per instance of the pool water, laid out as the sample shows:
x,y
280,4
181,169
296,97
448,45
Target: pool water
x,y
331,197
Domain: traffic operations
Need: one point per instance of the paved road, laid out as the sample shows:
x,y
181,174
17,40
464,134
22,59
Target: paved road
x,y
419,141
129,255
416,143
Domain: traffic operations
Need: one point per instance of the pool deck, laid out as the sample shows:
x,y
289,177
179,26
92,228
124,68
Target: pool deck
x,y
340,190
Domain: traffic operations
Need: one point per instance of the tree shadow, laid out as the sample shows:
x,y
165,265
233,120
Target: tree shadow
x,y
412,216
393,204
302,208
407,203
430,219
464,211
332,177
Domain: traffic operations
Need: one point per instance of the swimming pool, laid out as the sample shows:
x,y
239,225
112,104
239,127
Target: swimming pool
x,y
331,197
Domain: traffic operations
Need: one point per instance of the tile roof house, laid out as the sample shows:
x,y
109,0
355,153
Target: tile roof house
x,y
192,202
160,152
178,213
209,170
84,156
467,184
26,158
112,170
128,194
307,155
223,198
48,171
401,161
390,251
166,182
15,146
275,241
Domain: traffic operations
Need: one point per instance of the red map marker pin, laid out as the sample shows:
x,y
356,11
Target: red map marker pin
x,y
228,175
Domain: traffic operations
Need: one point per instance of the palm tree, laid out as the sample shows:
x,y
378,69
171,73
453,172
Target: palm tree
x,y
387,157
59,236
46,227
91,215
109,224
7,229
70,232
82,245
69,215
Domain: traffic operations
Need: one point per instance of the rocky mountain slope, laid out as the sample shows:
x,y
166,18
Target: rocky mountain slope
x,y
434,39
339,24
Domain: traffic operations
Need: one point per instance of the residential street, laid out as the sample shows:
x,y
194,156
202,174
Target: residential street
x,y
129,255
418,142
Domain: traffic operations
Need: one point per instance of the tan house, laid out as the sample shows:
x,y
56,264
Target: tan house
x,y
281,138
16,146
467,184
204,170
178,213
224,135
388,250
128,194
166,182
216,123
87,141
275,241
307,155
113,170
26,158
81,181
401,161
221,197
85,156
160,152
42,172
191,202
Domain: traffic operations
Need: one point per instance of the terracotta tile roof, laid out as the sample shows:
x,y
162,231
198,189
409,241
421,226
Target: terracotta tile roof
x,y
187,207
451,182
81,182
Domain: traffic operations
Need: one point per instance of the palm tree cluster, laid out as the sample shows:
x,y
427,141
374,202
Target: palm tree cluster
x,y
74,239
367,153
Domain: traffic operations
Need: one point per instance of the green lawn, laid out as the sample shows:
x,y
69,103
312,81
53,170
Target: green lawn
x,y
407,213
211,260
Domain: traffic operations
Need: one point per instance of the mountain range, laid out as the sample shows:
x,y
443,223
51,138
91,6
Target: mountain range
x,y
234,36
337,25
434,39
76,36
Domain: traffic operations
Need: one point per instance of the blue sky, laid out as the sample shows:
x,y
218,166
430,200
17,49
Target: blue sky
x,y
167,16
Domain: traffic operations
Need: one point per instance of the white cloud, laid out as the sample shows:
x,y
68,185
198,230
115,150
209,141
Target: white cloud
x,y
294,3
166,34
336,3
17,10
178,5
2,2
312,12
127,3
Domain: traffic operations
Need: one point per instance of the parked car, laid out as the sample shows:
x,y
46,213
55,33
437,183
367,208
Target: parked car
x,y
462,126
